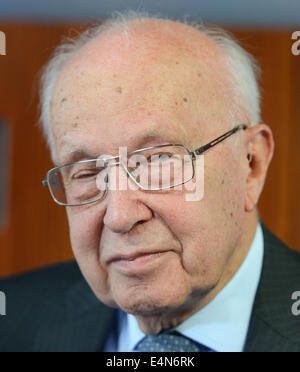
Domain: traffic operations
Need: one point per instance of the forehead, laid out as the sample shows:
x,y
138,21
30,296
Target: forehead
x,y
109,95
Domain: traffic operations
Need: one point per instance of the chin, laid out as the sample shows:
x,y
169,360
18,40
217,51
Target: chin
x,y
149,301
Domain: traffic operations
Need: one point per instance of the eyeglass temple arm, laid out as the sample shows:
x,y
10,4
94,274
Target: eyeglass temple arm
x,y
204,148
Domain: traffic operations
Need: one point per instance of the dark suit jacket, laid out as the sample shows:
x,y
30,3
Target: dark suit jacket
x,y
54,309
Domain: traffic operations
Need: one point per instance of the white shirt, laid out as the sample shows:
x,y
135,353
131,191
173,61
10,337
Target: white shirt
x,y
223,324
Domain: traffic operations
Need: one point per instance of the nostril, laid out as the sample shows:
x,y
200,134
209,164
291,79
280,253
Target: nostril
x,y
142,221
138,224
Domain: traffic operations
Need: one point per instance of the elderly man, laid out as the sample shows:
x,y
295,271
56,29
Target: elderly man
x,y
176,259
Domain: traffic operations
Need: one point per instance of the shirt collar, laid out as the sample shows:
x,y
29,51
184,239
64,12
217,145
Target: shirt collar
x,y
222,325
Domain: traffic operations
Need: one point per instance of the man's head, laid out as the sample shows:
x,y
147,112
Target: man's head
x,y
144,83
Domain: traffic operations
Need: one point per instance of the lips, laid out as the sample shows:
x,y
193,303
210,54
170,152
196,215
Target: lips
x,y
134,256
140,263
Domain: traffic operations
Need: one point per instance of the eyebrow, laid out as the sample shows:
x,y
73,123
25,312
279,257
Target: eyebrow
x,y
152,135
74,153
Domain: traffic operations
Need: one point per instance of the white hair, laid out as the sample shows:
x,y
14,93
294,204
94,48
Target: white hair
x,y
243,68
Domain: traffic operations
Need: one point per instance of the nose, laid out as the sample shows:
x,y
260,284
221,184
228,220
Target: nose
x,y
125,208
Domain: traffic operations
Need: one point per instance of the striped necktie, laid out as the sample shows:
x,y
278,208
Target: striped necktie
x,y
170,342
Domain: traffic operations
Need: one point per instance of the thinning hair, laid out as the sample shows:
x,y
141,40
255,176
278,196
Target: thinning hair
x,y
242,67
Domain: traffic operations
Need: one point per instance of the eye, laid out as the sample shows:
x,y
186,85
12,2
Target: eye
x,y
164,157
85,175
81,176
161,157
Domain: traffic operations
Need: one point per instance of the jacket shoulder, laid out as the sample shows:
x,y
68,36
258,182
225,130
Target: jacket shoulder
x,y
31,298
282,264
40,277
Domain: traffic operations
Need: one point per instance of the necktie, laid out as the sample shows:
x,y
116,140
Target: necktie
x,y
170,342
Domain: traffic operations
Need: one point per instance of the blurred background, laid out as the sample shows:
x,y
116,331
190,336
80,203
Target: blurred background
x,y
33,230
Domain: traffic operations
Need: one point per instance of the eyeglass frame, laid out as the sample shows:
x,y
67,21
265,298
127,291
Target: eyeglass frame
x,y
193,155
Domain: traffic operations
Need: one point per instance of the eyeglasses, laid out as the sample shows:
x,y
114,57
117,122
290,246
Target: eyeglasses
x,y
153,168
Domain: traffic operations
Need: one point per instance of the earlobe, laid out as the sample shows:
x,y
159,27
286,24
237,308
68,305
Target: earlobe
x,y
252,185
259,158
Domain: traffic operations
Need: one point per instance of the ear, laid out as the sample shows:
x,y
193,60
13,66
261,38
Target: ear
x,y
260,152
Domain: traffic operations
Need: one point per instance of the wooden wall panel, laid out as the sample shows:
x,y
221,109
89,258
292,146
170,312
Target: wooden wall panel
x,y
279,205
37,233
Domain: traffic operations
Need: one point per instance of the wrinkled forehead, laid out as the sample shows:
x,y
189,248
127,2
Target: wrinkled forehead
x,y
145,82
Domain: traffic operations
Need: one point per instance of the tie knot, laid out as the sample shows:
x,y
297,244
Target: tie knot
x,y
169,342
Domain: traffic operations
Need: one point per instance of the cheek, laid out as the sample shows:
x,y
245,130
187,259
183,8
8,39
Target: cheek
x,y
224,192
85,233
209,230
222,217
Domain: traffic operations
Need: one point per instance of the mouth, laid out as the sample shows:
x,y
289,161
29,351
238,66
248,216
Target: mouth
x,y
138,261
134,256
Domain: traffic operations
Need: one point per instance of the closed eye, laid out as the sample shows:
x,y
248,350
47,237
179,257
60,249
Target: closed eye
x,y
85,175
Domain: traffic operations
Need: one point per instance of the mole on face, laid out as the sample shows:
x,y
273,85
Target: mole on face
x,y
119,90
185,99
63,100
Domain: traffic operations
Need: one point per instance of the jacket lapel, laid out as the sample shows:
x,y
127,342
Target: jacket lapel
x,y
273,328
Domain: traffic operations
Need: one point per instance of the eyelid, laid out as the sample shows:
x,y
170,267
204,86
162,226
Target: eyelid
x,y
85,172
